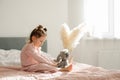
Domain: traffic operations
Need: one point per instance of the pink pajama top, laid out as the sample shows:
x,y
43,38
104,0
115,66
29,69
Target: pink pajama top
x,y
31,55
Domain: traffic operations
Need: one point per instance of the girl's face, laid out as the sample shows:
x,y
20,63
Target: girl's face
x,y
38,41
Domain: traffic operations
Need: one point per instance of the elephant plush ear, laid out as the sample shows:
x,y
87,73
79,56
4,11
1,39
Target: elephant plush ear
x,y
71,38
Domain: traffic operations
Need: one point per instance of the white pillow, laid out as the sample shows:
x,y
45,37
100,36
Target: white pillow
x,y
10,57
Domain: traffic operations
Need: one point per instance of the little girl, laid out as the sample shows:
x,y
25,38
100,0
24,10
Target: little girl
x,y
32,58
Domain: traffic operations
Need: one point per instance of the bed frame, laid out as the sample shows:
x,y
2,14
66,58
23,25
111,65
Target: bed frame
x,y
16,43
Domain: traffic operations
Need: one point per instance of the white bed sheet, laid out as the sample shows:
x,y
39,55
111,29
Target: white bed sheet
x,y
10,57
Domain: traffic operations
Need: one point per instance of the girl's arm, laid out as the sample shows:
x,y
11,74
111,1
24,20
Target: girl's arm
x,y
38,57
48,58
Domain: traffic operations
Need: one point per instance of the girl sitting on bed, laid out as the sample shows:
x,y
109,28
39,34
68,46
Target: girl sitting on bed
x,y
31,58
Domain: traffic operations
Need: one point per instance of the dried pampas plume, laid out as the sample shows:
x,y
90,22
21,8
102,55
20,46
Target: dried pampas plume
x,y
71,38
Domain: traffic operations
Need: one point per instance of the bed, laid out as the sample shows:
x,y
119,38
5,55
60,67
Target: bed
x,y
10,69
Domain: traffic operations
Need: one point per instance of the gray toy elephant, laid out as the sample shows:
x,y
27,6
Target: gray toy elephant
x,y
62,58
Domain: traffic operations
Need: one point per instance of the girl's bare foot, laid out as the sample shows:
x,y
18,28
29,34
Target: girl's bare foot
x,y
68,68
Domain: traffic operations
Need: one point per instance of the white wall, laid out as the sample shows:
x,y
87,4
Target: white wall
x,y
75,12
19,17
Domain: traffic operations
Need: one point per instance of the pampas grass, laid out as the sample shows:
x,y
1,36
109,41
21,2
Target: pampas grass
x,y
71,38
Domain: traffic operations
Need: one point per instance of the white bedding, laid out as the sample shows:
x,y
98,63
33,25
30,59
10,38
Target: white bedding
x,y
10,57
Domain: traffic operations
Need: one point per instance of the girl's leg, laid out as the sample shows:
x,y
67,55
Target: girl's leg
x,y
42,67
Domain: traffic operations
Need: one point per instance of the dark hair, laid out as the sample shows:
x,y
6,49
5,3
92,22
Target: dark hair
x,y
38,32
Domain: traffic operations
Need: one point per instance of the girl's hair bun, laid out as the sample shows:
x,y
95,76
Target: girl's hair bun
x,y
45,29
40,27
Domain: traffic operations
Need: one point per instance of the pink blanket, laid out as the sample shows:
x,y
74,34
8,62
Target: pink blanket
x,y
79,72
